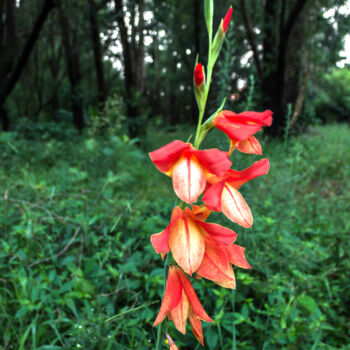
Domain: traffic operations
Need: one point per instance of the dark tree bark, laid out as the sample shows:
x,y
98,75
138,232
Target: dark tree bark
x,y
269,53
73,67
2,6
141,49
130,88
197,25
157,68
96,43
251,38
9,78
272,69
285,33
54,68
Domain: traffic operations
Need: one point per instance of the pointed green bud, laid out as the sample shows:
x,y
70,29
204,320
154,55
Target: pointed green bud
x,y
220,36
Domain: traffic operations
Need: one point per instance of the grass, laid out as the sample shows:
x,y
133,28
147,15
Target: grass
x,y
77,270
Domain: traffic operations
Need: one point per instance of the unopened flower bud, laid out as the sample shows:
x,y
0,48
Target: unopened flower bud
x,y
220,36
199,85
227,19
171,343
199,75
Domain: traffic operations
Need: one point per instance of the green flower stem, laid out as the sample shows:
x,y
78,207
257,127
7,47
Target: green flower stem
x,y
234,344
198,138
160,332
209,72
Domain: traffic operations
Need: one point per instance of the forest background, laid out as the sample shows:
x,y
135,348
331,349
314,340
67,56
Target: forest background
x,y
87,88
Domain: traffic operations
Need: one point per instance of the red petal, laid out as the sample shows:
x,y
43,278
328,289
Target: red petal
x,y
216,266
172,295
187,244
160,241
196,325
262,118
192,297
212,197
215,161
238,178
219,233
250,145
188,179
179,314
165,157
233,127
236,256
235,207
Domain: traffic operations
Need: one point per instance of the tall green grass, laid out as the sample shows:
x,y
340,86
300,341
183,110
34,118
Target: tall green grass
x,y
77,270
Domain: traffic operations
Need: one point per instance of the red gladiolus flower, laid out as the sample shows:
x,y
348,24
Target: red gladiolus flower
x,y
180,303
172,345
185,237
227,20
189,167
216,264
223,194
199,75
240,128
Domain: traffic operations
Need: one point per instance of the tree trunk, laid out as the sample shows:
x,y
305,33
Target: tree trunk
x,y
73,68
251,38
132,110
275,63
269,53
8,80
302,89
54,68
141,49
96,43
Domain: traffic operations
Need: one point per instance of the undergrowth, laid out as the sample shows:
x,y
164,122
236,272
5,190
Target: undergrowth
x,y
77,270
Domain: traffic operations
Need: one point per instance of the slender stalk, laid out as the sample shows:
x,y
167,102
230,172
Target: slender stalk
x,y
220,336
234,344
207,87
160,332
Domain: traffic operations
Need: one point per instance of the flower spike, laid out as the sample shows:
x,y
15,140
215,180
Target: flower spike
x,y
195,246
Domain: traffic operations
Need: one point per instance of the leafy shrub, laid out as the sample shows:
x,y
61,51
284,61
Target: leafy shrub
x,y
110,119
331,100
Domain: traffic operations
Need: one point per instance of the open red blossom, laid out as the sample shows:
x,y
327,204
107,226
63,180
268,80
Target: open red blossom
x,y
241,127
227,19
189,167
198,75
185,237
216,264
223,193
180,303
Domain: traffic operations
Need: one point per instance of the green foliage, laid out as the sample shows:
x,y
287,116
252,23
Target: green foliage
x,y
332,96
109,121
77,270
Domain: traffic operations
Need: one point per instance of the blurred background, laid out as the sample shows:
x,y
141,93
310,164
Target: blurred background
x,y
88,88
